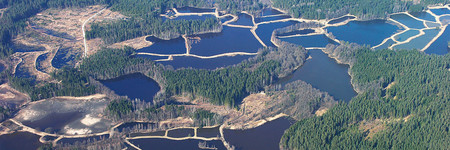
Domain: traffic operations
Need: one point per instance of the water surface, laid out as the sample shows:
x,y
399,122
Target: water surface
x,y
419,42
440,46
408,21
364,32
231,39
173,46
180,133
264,31
135,86
387,44
342,19
424,16
20,141
325,74
166,144
441,11
194,10
405,35
264,137
244,19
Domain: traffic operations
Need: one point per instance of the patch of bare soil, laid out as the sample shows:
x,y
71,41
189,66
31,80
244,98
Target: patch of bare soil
x,y
89,109
136,43
2,11
371,127
321,111
11,97
55,29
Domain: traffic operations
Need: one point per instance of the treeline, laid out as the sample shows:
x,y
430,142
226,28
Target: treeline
x,y
112,63
228,86
151,25
67,82
365,9
412,113
224,86
297,99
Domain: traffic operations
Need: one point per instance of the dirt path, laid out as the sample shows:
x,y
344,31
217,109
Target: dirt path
x,y
84,32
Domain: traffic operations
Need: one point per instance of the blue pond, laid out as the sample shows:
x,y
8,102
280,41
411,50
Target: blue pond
x,y
173,46
364,32
408,21
229,40
441,11
244,19
440,46
325,74
264,31
134,86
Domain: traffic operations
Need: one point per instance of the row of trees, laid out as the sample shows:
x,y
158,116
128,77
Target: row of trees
x,y
366,9
68,82
413,111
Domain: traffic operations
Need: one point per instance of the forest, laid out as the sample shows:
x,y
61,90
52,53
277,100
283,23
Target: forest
x,y
66,82
364,9
408,109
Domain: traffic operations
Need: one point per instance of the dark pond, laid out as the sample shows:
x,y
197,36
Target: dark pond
x,y
180,133
54,122
73,141
173,46
320,40
301,32
440,11
208,132
25,48
264,31
126,127
64,56
194,10
271,18
166,144
19,141
134,86
424,16
364,32
39,62
270,11
198,63
339,20
194,17
157,133
2,67
152,57
22,71
265,137
408,21
440,46
244,19
325,74
229,40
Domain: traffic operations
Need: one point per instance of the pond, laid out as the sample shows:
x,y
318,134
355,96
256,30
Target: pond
x,y
20,141
135,86
264,137
364,32
325,74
